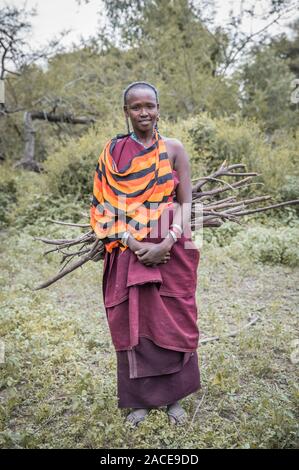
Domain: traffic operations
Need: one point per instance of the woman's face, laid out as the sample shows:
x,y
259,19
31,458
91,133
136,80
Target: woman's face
x,y
142,108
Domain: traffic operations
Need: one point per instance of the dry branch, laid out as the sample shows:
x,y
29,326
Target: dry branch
x,y
251,322
27,161
212,212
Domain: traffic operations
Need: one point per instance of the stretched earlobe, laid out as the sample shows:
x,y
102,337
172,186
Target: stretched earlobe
x,y
156,125
128,125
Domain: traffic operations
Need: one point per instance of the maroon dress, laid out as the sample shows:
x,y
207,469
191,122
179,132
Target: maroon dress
x,y
152,315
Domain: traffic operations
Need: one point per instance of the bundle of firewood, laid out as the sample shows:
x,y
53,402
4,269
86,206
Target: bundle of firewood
x,y
213,211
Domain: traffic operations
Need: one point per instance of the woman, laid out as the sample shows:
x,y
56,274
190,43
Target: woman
x,y
141,210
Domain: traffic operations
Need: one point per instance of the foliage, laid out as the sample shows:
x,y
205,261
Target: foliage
x,y
290,189
286,47
241,141
58,387
8,195
15,25
67,179
266,91
89,80
267,245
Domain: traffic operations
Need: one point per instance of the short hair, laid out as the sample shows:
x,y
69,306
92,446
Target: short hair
x,y
139,85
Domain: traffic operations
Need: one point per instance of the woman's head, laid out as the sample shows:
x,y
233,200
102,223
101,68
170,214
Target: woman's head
x,y
141,106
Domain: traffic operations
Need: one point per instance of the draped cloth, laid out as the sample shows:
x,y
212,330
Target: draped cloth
x,y
152,312
132,198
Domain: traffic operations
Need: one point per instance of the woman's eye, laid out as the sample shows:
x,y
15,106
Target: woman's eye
x,y
137,108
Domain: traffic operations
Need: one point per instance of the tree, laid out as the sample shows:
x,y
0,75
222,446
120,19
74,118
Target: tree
x,y
169,45
287,49
266,91
15,24
25,87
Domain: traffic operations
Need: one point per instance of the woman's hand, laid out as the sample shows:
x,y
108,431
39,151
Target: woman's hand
x,y
152,254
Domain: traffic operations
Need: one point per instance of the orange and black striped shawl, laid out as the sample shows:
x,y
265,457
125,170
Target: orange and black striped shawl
x,y
133,198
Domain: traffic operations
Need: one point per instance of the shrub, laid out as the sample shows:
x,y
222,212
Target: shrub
x,y
70,169
8,195
239,140
268,245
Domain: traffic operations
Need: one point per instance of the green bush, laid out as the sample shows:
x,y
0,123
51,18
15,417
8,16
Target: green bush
x,y
64,189
181,130
41,208
290,190
25,200
238,140
8,195
223,235
70,169
226,138
268,245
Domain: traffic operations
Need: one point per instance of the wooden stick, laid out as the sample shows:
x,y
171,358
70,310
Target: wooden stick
x,y
70,224
89,256
232,333
273,206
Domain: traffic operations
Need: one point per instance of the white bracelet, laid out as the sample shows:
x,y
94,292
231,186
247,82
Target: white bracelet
x,y
178,226
124,238
171,232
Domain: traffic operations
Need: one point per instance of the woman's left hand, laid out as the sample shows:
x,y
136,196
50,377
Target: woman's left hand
x,y
152,255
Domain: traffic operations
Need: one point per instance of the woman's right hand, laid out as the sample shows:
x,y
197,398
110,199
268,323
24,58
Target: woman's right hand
x,y
151,256
137,245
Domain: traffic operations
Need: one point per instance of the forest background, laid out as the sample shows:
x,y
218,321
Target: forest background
x,y
227,95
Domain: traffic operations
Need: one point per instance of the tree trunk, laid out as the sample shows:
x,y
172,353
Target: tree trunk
x,y
28,162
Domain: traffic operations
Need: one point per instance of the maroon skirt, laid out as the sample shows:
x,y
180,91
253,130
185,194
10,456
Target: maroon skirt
x,y
149,376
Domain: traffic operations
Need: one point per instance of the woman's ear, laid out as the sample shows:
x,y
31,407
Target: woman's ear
x,y
127,118
125,108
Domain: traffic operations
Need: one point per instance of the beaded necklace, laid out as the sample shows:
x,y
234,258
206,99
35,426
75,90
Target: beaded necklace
x,y
134,137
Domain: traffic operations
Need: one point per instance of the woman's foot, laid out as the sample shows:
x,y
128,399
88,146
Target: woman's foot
x,y
136,416
176,414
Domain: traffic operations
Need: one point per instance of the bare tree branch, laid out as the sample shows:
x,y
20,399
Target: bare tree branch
x,y
210,214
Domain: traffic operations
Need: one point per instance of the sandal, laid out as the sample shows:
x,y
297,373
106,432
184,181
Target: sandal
x,y
135,417
177,415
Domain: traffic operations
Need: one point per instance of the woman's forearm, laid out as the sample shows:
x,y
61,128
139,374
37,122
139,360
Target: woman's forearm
x,y
133,244
182,215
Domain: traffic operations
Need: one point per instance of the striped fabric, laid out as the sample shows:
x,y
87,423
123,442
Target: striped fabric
x,y
133,198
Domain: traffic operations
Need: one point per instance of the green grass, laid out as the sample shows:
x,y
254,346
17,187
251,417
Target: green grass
x,y
58,382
